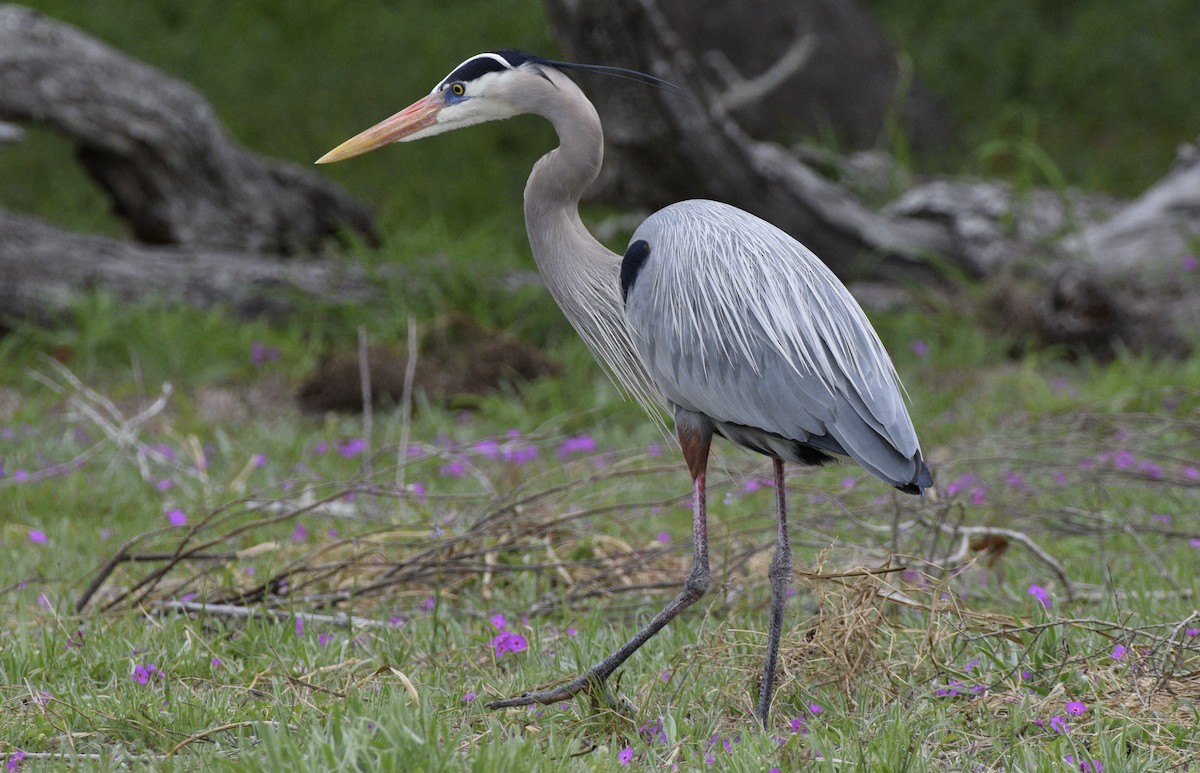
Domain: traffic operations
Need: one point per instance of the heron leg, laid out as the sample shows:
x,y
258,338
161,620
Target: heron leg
x,y
695,436
780,574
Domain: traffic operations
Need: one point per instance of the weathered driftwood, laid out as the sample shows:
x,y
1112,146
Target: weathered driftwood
x,y
1072,255
711,156
172,172
43,269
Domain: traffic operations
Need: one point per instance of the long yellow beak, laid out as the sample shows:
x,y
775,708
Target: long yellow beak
x,y
417,116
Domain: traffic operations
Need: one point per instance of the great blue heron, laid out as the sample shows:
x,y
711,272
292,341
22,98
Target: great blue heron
x,y
732,323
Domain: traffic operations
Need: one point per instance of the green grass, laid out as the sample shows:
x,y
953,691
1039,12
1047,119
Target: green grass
x,y
1058,452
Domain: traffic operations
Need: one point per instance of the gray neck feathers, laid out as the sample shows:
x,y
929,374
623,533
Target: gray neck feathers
x,y
580,273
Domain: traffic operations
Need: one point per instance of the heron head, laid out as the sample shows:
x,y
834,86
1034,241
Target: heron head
x,y
487,87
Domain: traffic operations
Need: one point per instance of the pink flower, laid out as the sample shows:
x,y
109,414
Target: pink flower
x,y
14,761
37,536
579,444
144,673
1193,632
1076,707
507,641
352,447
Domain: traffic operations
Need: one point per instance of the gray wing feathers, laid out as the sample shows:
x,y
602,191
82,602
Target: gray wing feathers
x,y
737,320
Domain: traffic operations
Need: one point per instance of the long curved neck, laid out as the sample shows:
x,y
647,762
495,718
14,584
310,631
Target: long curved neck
x,y
556,234
581,274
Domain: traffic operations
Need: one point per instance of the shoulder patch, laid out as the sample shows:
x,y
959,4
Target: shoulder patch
x,y
631,265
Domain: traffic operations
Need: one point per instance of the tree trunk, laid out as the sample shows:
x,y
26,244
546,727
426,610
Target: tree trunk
x,y
44,270
156,148
712,157
1048,283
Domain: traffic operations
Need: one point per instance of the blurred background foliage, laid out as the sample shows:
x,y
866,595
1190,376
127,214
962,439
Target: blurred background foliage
x,y
1102,88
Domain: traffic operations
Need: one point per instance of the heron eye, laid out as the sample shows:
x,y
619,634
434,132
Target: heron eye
x,y
458,89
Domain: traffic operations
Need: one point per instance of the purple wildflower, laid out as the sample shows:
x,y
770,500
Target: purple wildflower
x,y
165,484
1041,594
519,455
469,697
964,481
260,354
352,447
653,731
177,517
144,673
1119,651
37,536
508,641
654,449
578,444
323,639
428,604
14,761
1076,707
797,725
498,620
920,347
215,662
1189,262
456,469
1192,632
1059,724
488,449
815,709
258,460
625,756
664,537
300,533
299,625
572,633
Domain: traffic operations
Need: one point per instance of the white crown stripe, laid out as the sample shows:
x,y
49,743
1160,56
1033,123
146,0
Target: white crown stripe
x,y
489,55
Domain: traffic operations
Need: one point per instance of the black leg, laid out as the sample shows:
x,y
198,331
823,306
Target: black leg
x,y
781,574
695,438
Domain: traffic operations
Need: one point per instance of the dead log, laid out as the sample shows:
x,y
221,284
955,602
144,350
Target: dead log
x,y
45,269
155,146
712,157
662,148
812,67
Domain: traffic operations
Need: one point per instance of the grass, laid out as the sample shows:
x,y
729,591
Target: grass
x,y
1095,463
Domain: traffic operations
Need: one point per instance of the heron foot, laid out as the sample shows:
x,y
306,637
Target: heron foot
x,y
590,683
